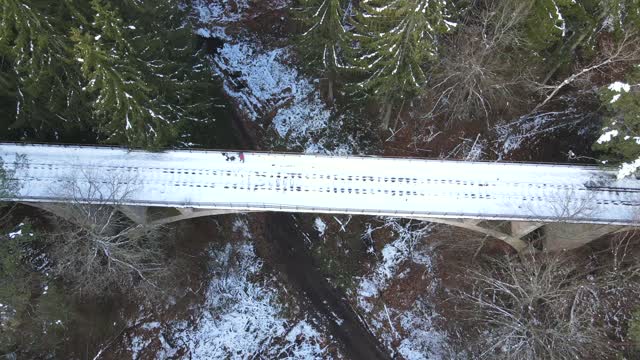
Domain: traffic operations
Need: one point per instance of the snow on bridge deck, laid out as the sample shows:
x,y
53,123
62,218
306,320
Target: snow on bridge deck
x,y
332,184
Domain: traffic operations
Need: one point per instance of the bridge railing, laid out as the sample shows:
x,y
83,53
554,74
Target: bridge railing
x,y
354,211
601,167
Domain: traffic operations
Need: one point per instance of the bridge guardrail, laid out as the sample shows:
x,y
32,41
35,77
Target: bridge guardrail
x,y
272,153
327,210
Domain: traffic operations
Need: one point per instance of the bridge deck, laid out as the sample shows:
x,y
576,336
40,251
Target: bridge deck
x,y
313,183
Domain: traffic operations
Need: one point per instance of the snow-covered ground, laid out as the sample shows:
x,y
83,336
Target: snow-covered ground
x,y
413,329
241,318
264,86
513,135
262,82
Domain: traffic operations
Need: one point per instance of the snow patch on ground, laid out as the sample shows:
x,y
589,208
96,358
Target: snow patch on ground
x,y
240,225
267,89
386,269
320,225
220,12
215,16
241,318
511,136
405,247
302,342
421,340
261,81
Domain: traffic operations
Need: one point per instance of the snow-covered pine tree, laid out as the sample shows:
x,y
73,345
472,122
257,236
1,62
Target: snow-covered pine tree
x,y
180,74
323,41
38,89
623,14
397,38
620,139
126,74
139,66
122,100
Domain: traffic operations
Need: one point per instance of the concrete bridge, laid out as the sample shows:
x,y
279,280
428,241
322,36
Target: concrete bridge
x,y
568,205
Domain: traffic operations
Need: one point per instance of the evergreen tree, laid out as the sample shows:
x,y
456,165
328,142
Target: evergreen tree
x,y
622,14
323,42
34,310
555,29
121,98
620,140
124,70
181,74
33,313
37,91
396,39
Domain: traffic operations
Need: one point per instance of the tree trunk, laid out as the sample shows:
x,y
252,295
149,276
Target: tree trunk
x,y
330,91
574,45
386,117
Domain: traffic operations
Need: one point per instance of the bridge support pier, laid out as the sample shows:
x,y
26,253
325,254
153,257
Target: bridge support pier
x,y
563,236
520,229
190,213
557,236
137,214
474,225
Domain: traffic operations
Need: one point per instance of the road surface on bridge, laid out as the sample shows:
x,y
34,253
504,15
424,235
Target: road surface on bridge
x,y
331,184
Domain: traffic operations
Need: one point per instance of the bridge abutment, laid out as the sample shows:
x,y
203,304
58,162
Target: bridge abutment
x,y
565,236
137,214
520,229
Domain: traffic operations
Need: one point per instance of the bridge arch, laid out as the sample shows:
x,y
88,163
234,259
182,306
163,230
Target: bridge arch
x,y
558,236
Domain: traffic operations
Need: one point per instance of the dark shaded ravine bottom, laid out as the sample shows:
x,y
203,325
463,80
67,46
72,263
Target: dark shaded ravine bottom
x,y
297,264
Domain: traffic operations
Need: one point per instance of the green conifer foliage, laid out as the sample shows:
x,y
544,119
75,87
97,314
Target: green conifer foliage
x,y
397,38
623,14
121,101
34,310
180,76
123,71
322,44
620,140
555,28
33,71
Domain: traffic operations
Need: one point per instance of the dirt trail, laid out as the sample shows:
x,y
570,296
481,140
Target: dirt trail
x,y
296,262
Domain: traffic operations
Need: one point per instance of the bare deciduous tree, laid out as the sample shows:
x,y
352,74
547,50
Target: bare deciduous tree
x,y
614,273
626,50
472,79
96,248
535,309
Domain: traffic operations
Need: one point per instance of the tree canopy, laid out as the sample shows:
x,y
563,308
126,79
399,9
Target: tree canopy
x,y
620,139
123,71
324,41
396,40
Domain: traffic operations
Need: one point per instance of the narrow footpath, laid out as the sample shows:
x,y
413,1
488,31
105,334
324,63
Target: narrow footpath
x,y
295,260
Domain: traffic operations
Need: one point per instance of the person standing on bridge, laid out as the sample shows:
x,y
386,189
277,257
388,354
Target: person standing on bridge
x,y
241,156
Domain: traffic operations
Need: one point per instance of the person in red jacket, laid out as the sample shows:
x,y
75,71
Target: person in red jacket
x,y
241,156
